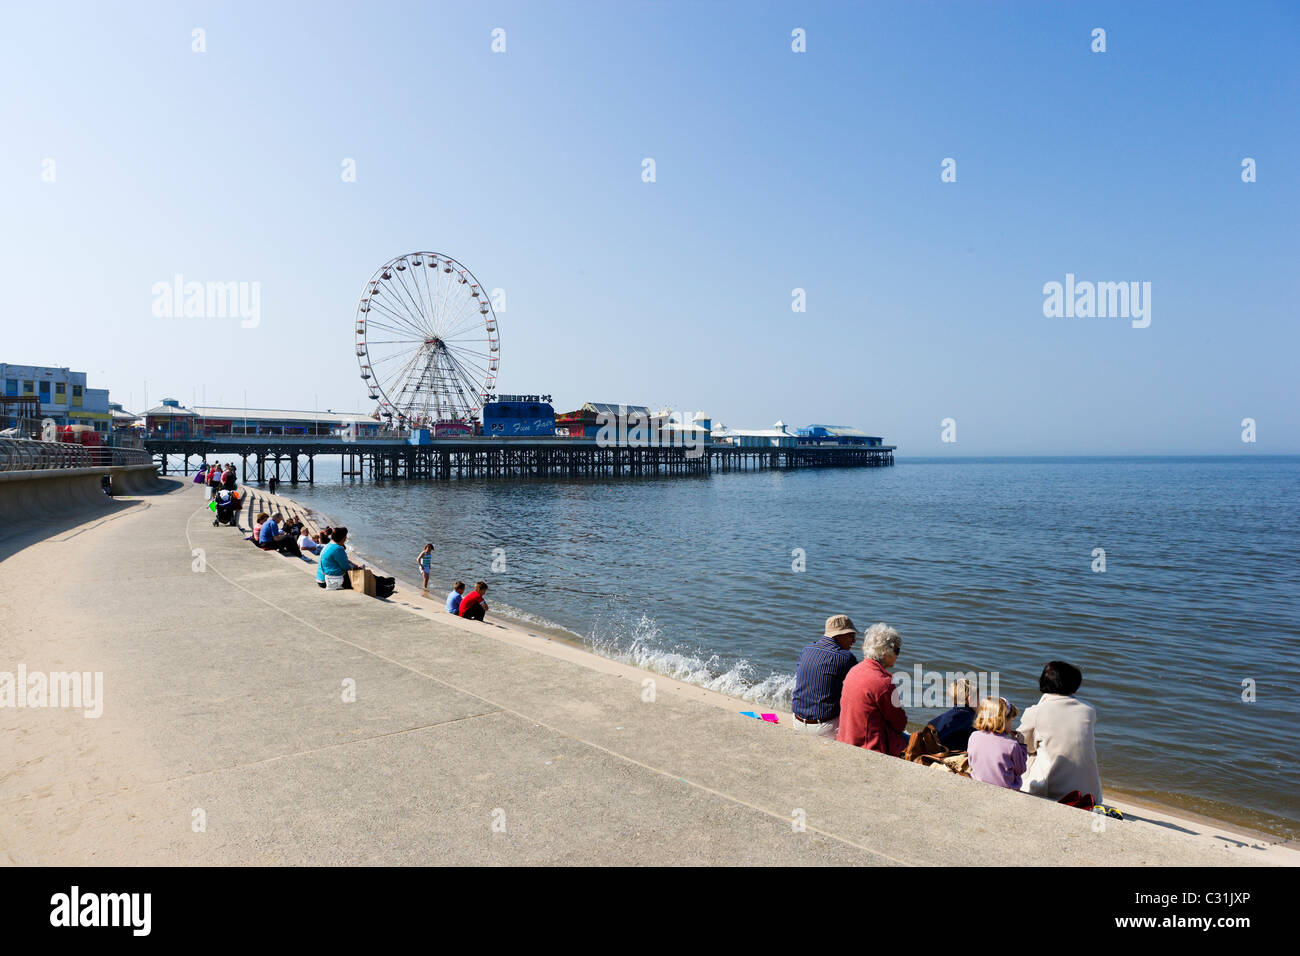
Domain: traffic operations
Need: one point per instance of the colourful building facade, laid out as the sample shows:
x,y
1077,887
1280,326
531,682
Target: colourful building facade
x,y
62,393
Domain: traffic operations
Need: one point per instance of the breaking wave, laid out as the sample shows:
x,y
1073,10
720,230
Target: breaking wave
x,y
642,645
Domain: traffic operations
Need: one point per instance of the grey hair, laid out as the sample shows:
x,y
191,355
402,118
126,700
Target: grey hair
x,y
879,640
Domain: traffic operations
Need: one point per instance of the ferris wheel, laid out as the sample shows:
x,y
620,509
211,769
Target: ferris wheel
x,y
426,341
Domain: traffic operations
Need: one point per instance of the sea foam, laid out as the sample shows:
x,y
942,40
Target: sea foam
x,y
643,647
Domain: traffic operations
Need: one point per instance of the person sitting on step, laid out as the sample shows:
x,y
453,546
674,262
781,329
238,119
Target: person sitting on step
x,y
273,538
472,605
334,560
307,543
819,678
953,727
454,598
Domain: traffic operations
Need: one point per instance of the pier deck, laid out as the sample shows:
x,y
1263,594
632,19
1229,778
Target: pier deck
x,y
293,459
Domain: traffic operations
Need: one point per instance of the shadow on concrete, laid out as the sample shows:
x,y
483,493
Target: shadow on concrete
x,y
27,519
1166,824
1130,815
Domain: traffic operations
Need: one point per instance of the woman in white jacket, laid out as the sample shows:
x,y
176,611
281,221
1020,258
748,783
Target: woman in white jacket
x,y
1059,732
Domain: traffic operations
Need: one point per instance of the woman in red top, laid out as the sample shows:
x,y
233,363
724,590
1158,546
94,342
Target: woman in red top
x,y
869,713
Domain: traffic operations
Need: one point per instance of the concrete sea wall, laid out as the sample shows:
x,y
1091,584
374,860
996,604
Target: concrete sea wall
x,y
28,495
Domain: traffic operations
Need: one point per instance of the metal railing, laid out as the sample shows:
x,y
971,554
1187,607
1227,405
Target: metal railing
x,y
119,440
24,454
222,440
114,455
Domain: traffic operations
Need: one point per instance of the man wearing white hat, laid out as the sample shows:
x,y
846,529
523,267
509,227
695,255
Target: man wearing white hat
x,y
819,678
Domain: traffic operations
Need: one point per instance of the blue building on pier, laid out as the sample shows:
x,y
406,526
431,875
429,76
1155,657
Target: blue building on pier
x,y
836,435
519,416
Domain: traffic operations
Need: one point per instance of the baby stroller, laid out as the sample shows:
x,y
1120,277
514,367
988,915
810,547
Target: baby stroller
x,y
225,509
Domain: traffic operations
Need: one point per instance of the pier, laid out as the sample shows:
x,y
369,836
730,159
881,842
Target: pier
x,y
292,459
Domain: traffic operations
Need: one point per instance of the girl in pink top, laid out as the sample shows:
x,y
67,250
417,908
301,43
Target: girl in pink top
x,y
997,753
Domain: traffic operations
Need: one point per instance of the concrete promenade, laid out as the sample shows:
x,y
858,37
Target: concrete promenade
x,y
225,672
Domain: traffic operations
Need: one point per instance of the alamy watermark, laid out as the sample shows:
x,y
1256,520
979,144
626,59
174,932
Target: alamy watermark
x,y
923,688
74,690
1102,300
179,299
124,910
629,428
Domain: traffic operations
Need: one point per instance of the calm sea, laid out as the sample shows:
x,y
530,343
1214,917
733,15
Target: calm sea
x,y
984,565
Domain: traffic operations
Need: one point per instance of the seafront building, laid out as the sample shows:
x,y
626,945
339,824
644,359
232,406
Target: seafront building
x,y
123,421
778,436
836,435
807,436
61,393
512,416
171,419
587,421
675,427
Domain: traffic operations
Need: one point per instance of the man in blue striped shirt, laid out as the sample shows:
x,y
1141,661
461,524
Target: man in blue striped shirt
x,y
819,678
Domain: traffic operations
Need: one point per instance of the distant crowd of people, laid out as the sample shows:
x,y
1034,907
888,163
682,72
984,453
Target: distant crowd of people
x,y
216,477
1051,754
273,532
291,536
220,483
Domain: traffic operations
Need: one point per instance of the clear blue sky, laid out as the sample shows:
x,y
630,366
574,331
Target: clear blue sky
x,y
775,170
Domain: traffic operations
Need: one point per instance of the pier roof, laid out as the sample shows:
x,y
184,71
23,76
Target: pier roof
x,y
281,414
258,414
841,431
166,410
779,430
607,408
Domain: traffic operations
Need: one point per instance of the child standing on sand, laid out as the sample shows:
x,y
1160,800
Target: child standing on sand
x,y
425,560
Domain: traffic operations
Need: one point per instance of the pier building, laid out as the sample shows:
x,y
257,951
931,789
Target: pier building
x,y
778,436
835,435
171,419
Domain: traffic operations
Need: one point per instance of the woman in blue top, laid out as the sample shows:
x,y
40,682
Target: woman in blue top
x,y
334,560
